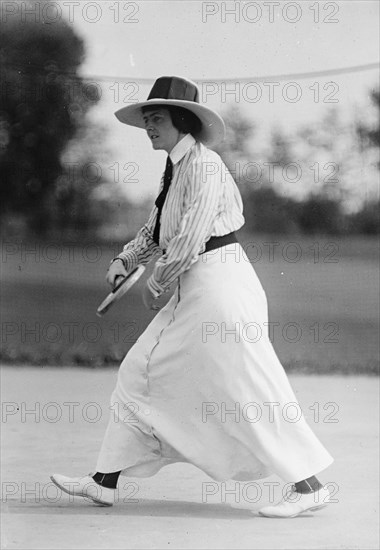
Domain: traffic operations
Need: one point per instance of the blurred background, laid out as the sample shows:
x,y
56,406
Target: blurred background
x,y
298,87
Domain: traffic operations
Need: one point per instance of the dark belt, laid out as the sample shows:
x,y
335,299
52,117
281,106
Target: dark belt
x,y
217,242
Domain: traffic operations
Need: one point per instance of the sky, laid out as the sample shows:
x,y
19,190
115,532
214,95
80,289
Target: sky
x,y
233,50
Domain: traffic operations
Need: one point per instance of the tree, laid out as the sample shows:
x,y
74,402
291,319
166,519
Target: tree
x,y
43,105
367,220
336,191
273,202
370,134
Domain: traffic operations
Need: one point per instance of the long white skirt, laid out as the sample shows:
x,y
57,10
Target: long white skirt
x,y
203,385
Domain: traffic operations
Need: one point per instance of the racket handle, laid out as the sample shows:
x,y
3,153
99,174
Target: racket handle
x,y
118,280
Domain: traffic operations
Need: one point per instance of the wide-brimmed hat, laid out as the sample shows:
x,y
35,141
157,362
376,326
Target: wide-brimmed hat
x,y
179,92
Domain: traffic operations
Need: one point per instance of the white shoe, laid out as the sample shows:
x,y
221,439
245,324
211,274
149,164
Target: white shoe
x,y
85,487
295,503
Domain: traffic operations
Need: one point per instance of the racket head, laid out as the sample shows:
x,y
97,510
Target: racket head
x,y
120,289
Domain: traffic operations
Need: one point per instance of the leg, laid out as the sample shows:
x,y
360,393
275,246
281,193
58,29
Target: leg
x,y
107,480
309,485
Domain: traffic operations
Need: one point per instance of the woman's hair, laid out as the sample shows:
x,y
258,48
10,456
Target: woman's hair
x,y
184,120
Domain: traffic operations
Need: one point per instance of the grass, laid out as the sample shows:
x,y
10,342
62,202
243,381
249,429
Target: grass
x,y
322,292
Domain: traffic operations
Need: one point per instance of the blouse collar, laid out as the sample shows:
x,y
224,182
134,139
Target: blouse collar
x,y
181,148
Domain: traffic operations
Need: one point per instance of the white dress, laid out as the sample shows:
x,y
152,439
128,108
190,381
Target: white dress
x,y
203,383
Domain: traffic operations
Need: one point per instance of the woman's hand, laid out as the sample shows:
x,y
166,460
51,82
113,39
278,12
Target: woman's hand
x,y
116,269
148,299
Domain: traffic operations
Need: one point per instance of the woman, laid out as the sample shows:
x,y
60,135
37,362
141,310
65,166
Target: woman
x,y
197,387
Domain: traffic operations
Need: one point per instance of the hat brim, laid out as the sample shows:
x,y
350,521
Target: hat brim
x,y
213,129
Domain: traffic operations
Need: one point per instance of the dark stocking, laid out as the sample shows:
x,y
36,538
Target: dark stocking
x,y
309,485
107,480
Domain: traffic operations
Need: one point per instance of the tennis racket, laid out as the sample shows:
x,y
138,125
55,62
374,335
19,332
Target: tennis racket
x,y
123,284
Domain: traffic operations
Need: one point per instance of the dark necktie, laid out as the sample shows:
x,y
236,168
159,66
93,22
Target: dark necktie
x,y
161,198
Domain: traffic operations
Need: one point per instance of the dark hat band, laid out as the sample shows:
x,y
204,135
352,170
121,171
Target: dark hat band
x,y
172,87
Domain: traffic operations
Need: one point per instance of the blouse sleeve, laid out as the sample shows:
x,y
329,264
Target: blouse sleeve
x,y
141,249
201,209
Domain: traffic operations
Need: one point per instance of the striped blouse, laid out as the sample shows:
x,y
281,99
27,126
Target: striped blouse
x,y
203,201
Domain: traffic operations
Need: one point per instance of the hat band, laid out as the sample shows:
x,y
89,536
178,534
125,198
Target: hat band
x,y
174,88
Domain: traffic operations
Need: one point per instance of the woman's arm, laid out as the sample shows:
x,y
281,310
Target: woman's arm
x,y
201,209
141,249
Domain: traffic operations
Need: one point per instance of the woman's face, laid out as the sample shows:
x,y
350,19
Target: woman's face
x,y
160,129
